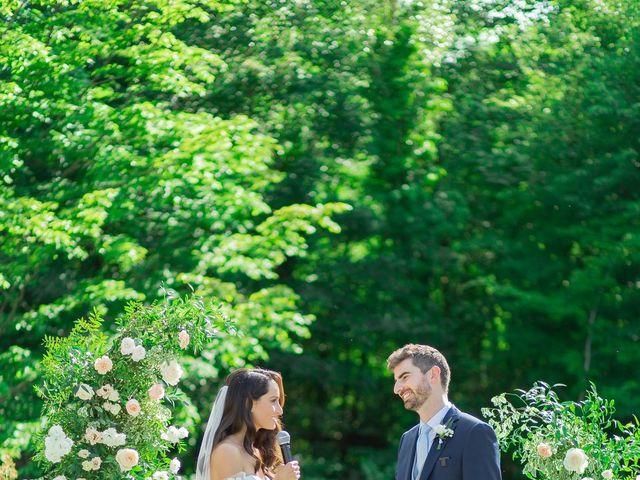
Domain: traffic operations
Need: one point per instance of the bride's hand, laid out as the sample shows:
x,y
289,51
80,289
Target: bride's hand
x,y
290,471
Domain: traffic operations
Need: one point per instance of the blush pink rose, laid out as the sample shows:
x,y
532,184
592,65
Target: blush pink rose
x,y
127,458
103,365
133,407
544,450
183,339
156,392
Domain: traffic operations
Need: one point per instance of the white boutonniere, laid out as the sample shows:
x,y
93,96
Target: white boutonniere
x,y
443,432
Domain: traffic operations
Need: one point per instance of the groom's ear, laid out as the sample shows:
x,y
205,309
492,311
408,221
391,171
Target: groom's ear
x,y
434,374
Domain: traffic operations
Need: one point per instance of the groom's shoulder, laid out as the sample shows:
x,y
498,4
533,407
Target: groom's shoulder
x,y
469,421
415,427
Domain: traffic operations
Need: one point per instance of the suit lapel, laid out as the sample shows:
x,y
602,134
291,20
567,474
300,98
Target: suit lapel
x,y
406,459
452,417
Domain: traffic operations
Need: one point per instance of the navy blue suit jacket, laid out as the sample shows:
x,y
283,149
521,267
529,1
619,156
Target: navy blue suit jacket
x,y
472,452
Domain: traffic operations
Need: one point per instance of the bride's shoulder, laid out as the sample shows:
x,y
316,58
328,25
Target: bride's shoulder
x,y
230,461
228,451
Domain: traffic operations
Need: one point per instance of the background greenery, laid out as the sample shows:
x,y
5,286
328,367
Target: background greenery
x,y
344,177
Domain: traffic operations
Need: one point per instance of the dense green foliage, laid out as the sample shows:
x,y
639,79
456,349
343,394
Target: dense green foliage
x,y
488,150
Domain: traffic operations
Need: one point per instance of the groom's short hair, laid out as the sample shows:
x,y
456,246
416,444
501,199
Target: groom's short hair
x,y
424,357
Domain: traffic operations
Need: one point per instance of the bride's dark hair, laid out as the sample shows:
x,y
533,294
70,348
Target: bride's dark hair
x,y
245,387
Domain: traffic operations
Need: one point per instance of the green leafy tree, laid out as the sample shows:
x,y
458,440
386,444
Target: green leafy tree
x,y
111,188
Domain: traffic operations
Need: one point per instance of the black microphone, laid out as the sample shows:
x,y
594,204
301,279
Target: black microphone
x,y
284,439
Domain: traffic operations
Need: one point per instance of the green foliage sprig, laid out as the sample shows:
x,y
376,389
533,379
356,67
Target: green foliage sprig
x,y
105,398
569,440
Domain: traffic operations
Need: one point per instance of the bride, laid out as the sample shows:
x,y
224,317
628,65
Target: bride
x,y
240,439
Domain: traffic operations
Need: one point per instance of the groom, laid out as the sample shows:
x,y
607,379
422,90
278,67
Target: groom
x,y
447,444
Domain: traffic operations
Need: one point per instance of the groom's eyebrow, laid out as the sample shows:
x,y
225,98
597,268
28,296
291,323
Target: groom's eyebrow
x,y
402,375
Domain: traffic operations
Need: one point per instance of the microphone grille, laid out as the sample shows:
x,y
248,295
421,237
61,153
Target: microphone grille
x,y
283,437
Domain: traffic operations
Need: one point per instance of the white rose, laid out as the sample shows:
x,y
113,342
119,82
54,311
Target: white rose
x,y
84,453
439,429
127,458
87,465
183,339
156,392
160,476
171,435
56,444
576,460
56,432
60,477
85,392
133,407
111,438
127,345
183,432
114,396
607,474
138,353
103,365
171,372
174,466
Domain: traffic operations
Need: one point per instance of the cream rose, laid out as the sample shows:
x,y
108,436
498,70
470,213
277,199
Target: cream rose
x,y
84,453
133,407
607,474
97,463
156,392
127,458
85,392
171,372
183,339
544,450
92,436
138,353
127,345
103,365
576,460
114,396
104,391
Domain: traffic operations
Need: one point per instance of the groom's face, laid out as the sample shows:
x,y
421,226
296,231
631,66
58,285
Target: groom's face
x,y
411,384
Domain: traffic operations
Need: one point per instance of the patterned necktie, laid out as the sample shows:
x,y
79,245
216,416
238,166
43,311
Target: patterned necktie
x,y
422,449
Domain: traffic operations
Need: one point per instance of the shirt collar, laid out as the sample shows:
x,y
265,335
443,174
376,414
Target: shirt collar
x,y
438,417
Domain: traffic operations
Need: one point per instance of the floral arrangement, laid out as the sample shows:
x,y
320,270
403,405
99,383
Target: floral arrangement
x,y
106,397
565,440
443,432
